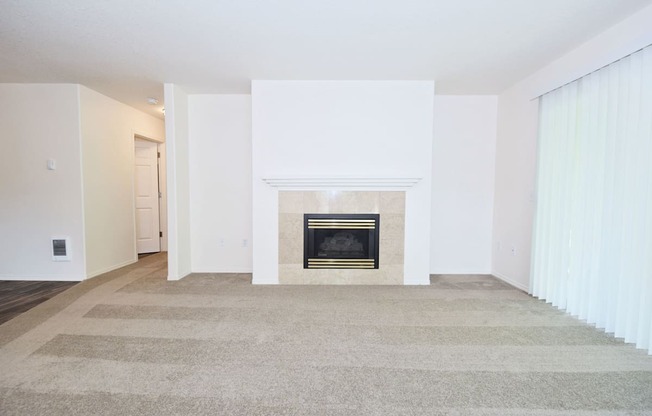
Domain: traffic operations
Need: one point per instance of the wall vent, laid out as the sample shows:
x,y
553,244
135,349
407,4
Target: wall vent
x,y
60,249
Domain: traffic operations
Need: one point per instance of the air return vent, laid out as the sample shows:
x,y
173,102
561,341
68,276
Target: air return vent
x,y
60,249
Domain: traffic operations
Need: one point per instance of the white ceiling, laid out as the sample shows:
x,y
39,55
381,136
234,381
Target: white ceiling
x,y
127,49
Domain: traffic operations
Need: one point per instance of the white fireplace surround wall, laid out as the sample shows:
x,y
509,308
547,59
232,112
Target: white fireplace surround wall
x,y
342,136
414,271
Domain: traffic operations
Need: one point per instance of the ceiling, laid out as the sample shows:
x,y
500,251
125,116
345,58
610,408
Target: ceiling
x,y
127,49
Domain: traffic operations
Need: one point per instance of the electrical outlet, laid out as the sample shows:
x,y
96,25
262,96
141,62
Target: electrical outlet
x,y
513,250
245,242
221,242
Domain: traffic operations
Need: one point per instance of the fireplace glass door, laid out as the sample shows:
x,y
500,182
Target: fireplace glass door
x,y
341,241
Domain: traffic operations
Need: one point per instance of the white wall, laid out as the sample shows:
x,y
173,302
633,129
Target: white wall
x,y
517,135
107,131
220,182
39,122
463,165
342,128
178,181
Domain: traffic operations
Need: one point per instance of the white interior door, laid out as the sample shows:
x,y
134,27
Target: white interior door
x,y
147,195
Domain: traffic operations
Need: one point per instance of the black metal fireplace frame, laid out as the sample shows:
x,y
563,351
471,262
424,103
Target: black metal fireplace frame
x,y
374,242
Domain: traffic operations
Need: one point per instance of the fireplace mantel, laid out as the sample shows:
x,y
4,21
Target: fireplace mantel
x,y
343,182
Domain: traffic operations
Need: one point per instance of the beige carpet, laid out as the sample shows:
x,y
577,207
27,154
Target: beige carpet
x,y
131,343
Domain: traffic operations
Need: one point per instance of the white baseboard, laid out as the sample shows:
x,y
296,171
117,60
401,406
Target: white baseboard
x,y
172,278
512,282
460,272
225,270
42,277
110,268
260,281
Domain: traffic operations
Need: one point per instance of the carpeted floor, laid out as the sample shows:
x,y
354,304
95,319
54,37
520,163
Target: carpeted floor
x,y
131,343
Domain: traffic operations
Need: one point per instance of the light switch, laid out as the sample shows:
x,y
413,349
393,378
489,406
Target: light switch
x,y
52,164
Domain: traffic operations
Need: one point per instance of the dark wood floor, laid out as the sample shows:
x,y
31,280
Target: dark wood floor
x,y
17,297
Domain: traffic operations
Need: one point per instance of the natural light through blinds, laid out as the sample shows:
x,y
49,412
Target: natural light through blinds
x,y
592,244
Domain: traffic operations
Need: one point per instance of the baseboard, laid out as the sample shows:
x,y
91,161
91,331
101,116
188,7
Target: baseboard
x,y
506,279
110,268
225,270
42,278
485,272
169,278
260,281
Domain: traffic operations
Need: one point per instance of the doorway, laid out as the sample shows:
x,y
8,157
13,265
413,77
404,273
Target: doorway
x,y
147,196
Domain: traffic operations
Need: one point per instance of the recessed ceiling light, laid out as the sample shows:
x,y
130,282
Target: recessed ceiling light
x,y
152,101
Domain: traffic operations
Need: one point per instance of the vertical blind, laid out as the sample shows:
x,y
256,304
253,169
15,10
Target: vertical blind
x,y
592,240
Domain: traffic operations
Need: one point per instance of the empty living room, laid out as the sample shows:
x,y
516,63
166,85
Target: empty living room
x,y
353,207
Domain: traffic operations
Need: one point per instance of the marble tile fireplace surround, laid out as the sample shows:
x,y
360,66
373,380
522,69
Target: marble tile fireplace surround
x,y
402,204
292,205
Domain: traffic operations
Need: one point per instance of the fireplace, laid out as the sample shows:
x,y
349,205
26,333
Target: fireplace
x,y
341,241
